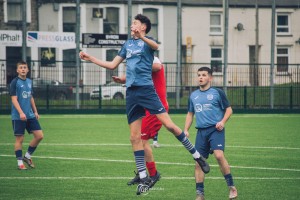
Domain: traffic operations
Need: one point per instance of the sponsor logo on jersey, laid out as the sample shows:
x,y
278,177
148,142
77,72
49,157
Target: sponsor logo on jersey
x,y
198,107
25,94
128,53
203,107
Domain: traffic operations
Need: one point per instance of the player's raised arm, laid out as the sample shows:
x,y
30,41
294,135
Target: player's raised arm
x,y
119,79
150,42
105,64
157,65
139,28
137,33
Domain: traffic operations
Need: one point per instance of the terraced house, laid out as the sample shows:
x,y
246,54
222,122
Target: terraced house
x,y
201,38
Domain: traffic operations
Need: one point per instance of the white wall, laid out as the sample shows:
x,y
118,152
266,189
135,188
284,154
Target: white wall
x,y
195,24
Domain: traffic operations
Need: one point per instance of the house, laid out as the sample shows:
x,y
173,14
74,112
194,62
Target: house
x,y
202,38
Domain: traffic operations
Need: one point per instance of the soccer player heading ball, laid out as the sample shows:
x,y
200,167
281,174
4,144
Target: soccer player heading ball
x,y
140,94
150,123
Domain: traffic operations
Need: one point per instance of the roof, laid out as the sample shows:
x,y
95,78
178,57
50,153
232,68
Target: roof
x,y
202,3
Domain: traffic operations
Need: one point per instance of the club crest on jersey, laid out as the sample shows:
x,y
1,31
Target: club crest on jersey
x,y
141,43
29,85
210,97
198,107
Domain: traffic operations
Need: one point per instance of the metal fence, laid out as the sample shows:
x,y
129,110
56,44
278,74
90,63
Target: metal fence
x,y
248,86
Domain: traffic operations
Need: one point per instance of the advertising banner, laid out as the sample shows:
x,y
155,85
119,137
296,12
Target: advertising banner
x,y
11,38
63,40
91,40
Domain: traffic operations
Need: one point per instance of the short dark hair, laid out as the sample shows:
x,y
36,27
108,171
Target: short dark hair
x,y
21,62
207,69
144,20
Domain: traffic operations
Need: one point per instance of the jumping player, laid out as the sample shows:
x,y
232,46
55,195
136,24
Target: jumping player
x,y
140,94
150,123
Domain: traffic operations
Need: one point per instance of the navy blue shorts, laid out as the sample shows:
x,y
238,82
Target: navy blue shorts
x,y
30,125
139,98
208,139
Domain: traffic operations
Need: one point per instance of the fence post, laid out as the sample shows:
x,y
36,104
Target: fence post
x,y
245,97
100,98
254,95
47,97
291,97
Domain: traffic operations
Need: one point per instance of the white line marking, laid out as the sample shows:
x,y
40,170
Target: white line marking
x,y
70,116
256,147
162,163
74,116
162,145
166,178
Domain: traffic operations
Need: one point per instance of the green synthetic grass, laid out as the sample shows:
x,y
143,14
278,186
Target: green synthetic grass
x,y
89,157
285,97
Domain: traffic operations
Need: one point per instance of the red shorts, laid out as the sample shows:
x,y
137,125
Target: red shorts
x,y
150,125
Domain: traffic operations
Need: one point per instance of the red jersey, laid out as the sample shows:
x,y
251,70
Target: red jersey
x,y
150,123
159,82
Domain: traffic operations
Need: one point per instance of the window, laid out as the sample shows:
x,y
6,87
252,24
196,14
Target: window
x,y
283,23
152,14
111,23
215,23
110,55
69,19
282,59
216,59
13,11
69,66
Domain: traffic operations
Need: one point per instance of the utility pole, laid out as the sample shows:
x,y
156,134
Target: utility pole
x,y
24,30
129,18
256,44
178,68
225,7
77,37
272,55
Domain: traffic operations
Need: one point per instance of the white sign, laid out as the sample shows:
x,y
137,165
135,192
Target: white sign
x,y
51,39
11,38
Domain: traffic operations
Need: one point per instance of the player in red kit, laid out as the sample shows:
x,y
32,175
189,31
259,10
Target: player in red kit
x,y
150,124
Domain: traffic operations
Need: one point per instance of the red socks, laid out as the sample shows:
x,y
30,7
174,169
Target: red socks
x,y
151,168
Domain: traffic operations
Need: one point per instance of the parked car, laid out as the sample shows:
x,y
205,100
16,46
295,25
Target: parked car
x,y
111,90
3,90
52,89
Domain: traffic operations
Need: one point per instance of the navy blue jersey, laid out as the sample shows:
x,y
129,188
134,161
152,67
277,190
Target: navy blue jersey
x,y
139,59
208,106
23,90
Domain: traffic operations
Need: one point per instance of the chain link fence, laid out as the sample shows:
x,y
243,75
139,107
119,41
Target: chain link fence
x,y
248,85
